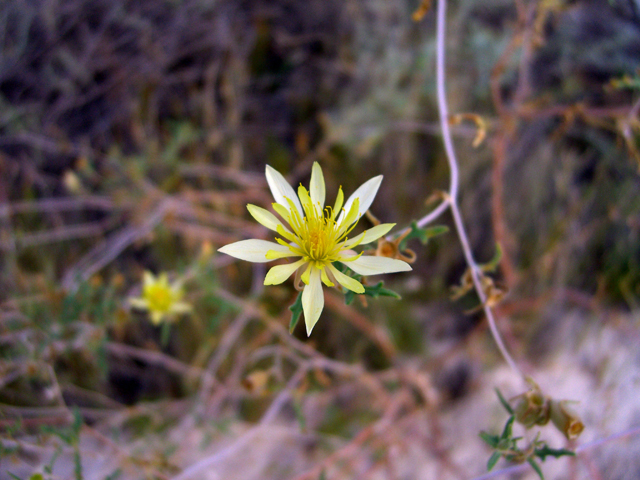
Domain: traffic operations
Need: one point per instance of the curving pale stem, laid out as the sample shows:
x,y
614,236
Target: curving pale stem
x,y
454,182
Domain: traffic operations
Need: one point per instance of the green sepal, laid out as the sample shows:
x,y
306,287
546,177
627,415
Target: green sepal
x,y
296,311
422,234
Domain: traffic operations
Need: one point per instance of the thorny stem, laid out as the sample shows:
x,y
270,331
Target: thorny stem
x,y
452,201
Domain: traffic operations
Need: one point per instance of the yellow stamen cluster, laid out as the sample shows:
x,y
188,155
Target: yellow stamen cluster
x,y
318,237
159,297
318,234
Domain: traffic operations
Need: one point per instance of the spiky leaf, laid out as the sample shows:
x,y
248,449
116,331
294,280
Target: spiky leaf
x,y
544,452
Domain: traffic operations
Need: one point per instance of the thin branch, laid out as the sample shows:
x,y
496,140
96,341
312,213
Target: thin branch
x,y
106,251
454,181
245,438
155,358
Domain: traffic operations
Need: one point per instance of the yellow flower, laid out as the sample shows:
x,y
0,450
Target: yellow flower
x,y
160,298
318,236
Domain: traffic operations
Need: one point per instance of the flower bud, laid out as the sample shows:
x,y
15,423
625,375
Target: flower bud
x,y
565,419
532,408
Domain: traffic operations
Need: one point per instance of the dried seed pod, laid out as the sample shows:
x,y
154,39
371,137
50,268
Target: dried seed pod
x,y
565,419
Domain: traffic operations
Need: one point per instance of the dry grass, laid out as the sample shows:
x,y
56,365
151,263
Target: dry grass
x,y
133,134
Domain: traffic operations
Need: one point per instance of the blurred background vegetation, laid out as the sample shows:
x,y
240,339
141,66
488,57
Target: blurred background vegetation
x,y
133,134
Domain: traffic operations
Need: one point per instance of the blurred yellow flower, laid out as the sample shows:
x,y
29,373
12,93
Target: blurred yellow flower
x,y
161,299
318,235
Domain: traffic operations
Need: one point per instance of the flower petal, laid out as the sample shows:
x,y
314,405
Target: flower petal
x,y
180,307
317,187
148,278
370,235
139,303
272,255
278,274
265,217
156,317
346,281
369,265
305,200
281,190
337,207
344,223
282,211
366,193
163,280
312,300
253,250
325,278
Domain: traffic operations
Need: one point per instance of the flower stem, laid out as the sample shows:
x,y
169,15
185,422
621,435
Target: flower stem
x,y
454,182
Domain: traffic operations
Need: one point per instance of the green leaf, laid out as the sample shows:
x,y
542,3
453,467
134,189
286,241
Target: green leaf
x,y
423,234
493,459
506,433
379,291
323,475
536,467
504,403
348,297
296,311
544,452
15,477
491,440
374,291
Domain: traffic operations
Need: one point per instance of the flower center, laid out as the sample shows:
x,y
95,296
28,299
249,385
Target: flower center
x,y
317,235
319,239
159,298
